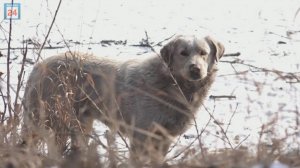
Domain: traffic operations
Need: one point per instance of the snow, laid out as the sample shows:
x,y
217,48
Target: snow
x,y
252,28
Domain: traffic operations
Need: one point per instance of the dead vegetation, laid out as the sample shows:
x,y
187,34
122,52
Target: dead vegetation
x,y
267,151
99,153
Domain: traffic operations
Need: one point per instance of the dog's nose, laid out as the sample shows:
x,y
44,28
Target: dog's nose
x,y
194,71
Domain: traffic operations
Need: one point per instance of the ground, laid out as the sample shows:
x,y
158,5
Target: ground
x,y
255,99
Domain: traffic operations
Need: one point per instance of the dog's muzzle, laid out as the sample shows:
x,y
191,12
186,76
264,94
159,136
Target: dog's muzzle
x,y
195,72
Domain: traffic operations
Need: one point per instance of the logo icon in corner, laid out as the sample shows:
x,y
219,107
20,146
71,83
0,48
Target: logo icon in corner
x,y
12,11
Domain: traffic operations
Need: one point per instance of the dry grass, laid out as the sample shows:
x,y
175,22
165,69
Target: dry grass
x,y
15,154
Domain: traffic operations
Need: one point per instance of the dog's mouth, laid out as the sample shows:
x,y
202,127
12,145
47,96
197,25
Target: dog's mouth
x,y
193,76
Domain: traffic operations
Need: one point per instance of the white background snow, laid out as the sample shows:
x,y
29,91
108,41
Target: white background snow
x,y
251,27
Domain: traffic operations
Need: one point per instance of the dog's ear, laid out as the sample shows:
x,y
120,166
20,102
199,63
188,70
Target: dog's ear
x,y
216,47
167,52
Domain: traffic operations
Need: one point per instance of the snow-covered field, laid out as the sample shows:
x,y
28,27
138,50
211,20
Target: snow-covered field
x,y
264,81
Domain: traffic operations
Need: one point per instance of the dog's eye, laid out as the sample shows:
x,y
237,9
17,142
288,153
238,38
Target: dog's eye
x,y
184,53
203,53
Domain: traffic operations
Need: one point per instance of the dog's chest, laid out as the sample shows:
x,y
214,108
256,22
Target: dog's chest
x,y
195,100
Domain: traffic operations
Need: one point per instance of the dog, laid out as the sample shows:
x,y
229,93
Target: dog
x,y
151,101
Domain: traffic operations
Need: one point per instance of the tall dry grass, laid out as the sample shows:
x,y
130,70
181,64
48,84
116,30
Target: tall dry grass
x,y
99,153
15,154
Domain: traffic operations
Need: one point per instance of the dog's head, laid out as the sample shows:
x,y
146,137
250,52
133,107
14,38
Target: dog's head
x,y
192,58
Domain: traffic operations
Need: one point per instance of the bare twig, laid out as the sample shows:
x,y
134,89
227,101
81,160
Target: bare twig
x,y
219,125
166,39
64,40
148,44
52,23
232,54
280,74
279,35
96,138
174,80
238,145
8,67
21,74
5,105
222,97
124,140
35,48
296,14
198,136
229,123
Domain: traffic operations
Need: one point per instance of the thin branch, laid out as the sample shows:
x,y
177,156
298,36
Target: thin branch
x,y
231,117
64,40
96,138
21,74
52,23
8,66
166,39
34,48
147,43
124,140
296,14
169,71
195,139
238,145
218,124
232,54
280,74
5,105
222,97
198,133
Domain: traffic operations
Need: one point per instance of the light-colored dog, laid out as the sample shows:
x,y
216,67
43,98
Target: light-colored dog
x,y
150,101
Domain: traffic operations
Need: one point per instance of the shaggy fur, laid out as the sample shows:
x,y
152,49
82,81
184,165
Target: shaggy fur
x,y
151,101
